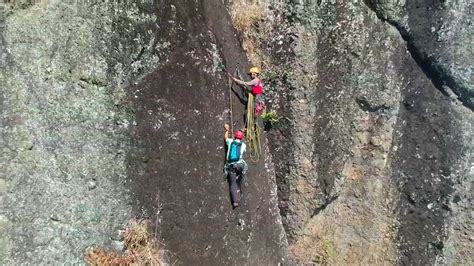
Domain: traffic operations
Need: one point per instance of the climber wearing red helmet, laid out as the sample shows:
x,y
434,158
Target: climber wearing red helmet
x,y
235,165
239,135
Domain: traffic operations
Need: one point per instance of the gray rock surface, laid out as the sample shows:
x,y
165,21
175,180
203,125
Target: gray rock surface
x,y
179,148
439,35
88,142
112,110
369,134
64,124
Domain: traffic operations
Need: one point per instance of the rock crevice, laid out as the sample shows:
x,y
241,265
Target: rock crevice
x,y
418,21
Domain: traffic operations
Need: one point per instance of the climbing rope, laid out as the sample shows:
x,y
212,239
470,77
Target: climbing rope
x,y
253,131
231,82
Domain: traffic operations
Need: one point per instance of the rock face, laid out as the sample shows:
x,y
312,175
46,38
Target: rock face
x,y
64,125
112,111
344,102
369,170
372,155
439,37
115,110
181,109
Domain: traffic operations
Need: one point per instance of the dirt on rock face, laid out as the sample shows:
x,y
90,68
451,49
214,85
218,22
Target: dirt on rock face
x,y
176,168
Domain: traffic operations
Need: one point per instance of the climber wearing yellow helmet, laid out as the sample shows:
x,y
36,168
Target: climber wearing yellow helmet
x,y
256,88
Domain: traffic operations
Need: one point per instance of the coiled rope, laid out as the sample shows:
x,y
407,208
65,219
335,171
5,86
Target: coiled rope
x,y
253,131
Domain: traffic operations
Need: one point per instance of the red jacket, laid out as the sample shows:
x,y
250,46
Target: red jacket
x,y
257,89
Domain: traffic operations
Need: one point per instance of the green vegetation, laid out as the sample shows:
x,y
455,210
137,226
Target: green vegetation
x,y
328,254
271,117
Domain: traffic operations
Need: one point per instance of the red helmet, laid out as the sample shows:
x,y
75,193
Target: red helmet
x,y
239,134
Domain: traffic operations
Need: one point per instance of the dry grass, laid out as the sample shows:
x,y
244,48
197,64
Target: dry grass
x,y
246,14
141,248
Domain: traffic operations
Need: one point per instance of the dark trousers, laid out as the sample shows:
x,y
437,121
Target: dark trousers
x,y
234,177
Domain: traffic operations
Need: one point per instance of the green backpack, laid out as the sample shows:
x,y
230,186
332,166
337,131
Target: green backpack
x,y
234,151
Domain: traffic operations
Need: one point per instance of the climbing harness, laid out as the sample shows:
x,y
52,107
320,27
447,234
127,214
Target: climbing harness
x,y
230,167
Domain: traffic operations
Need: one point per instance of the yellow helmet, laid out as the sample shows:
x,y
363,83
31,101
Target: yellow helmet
x,y
254,70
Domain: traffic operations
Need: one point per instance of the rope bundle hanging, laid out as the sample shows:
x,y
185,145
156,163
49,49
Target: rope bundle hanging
x,y
253,131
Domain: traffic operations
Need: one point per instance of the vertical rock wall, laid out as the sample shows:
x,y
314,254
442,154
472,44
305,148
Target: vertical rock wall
x,y
439,37
344,118
370,171
115,110
179,147
110,110
64,124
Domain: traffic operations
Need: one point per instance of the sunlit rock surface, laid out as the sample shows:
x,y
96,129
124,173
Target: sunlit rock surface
x,y
112,111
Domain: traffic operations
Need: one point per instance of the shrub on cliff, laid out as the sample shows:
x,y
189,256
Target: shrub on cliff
x,y
141,248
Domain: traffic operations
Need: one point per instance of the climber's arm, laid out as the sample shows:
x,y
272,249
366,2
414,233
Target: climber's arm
x,y
226,131
245,83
